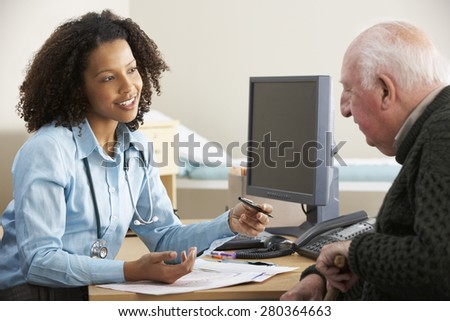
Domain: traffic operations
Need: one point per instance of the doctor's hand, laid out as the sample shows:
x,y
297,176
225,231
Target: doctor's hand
x,y
341,280
151,266
245,220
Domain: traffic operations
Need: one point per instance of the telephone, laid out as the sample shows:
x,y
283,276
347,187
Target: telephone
x,y
308,244
312,248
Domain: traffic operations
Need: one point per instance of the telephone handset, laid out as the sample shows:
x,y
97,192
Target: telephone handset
x,y
311,241
323,227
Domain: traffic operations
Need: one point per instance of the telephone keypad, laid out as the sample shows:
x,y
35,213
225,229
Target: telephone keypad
x,y
313,248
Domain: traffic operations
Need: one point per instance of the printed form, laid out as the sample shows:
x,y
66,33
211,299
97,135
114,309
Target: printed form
x,y
205,275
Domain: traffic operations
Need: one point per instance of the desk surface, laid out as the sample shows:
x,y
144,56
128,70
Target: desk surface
x,y
270,289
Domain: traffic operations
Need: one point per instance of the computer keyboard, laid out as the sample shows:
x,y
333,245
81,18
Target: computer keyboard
x,y
245,242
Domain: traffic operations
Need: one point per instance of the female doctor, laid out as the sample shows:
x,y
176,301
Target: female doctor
x,y
85,176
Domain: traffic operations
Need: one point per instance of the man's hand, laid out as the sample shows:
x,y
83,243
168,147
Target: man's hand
x,y
310,288
151,266
341,280
245,220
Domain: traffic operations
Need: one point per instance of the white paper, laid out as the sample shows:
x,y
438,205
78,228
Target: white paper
x,y
237,266
206,275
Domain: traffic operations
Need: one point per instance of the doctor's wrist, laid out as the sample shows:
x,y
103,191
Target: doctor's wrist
x,y
230,218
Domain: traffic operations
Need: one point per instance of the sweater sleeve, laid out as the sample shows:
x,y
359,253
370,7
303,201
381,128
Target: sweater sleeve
x,y
408,258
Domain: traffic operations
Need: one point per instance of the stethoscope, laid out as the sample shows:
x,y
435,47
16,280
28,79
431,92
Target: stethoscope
x,y
98,248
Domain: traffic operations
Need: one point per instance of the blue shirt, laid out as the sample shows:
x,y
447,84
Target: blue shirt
x,y
50,226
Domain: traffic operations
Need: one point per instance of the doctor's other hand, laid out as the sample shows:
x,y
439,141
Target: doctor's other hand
x,y
245,220
310,288
152,266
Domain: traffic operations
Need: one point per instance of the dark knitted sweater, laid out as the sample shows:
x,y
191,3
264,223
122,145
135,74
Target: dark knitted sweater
x,y
408,258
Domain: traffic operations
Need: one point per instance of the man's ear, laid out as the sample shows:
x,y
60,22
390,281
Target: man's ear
x,y
388,91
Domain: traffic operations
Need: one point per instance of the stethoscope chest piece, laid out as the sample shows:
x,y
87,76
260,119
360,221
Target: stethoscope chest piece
x,y
99,249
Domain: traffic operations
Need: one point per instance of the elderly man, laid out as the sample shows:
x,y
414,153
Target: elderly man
x,y
395,85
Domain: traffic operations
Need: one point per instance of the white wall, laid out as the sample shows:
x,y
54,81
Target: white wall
x,y
213,47
24,26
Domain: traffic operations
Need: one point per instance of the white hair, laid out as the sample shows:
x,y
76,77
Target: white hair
x,y
404,52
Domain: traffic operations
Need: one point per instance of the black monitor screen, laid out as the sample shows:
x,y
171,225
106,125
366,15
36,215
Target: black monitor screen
x,y
278,109
289,153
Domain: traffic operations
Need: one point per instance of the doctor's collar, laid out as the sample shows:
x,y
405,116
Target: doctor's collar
x,y
87,142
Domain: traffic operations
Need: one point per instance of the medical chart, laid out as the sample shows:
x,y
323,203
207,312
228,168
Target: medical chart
x,y
206,275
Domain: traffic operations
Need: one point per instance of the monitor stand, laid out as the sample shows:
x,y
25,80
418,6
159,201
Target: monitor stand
x,y
315,214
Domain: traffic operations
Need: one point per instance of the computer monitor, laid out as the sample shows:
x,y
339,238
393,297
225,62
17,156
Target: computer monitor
x,y
290,146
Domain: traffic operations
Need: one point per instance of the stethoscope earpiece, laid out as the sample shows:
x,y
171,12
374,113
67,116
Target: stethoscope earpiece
x,y
142,222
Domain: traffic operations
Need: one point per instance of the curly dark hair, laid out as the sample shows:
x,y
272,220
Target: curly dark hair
x,y
53,86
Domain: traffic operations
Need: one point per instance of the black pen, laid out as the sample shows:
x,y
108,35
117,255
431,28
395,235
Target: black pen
x,y
247,262
250,203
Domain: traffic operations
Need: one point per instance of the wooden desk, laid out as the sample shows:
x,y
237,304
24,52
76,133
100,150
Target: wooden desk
x,y
270,289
